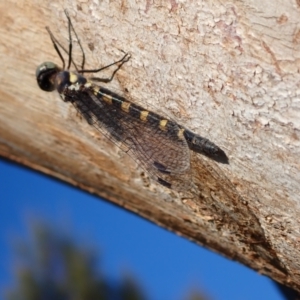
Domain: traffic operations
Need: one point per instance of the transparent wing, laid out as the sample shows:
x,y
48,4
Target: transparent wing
x,y
161,152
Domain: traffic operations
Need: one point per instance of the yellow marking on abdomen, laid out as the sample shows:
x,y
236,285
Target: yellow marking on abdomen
x,y
144,114
163,124
96,90
107,98
180,134
125,106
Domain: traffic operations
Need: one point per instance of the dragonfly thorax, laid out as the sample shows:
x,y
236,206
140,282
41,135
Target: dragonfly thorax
x,y
70,80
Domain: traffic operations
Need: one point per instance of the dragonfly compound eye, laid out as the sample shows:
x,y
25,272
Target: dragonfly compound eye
x,y
45,75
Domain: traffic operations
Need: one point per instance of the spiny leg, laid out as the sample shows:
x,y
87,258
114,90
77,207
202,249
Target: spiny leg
x,y
55,43
120,63
70,28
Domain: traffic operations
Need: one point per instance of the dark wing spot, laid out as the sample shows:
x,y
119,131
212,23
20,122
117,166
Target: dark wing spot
x,y
161,168
164,183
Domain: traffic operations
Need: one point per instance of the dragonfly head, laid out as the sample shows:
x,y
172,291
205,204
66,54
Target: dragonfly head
x,y
45,76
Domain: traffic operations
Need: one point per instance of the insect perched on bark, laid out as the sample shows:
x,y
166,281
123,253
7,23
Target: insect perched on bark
x,y
158,144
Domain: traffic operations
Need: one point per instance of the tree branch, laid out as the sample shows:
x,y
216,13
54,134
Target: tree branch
x,y
228,72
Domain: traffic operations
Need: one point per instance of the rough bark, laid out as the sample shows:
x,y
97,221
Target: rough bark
x,y
227,70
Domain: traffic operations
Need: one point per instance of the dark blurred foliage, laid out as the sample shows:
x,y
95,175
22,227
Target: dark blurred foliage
x,y
53,266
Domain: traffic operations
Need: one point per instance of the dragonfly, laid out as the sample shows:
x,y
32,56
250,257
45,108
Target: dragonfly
x,y
160,145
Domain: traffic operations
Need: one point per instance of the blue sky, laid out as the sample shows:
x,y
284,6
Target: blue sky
x,y
165,265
